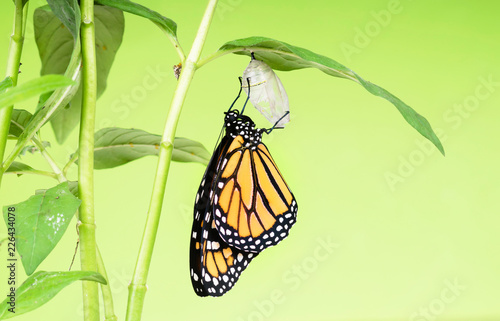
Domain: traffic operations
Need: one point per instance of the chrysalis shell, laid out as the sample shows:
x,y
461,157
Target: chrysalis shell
x,y
267,93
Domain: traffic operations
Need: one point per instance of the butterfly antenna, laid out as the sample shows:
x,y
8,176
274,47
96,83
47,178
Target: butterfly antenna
x,y
268,131
248,96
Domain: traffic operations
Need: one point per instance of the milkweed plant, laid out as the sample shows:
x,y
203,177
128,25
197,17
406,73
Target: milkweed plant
x,y
76,55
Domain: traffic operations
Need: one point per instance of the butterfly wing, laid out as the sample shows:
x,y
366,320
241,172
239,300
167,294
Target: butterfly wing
x,y
215,266
254,208
221,265
201,206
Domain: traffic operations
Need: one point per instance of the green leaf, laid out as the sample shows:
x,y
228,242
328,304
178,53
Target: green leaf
x,y
41,222
68,12
41,287
72,185
282,56
54,41
169,26
187,150
6,84
52,102
33,88
118,146
18,167
20,118
55,45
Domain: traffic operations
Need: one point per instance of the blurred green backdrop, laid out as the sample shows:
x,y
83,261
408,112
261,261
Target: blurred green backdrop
x,y
388,229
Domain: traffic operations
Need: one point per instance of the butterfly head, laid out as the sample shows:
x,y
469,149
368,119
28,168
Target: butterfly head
x,y
241,125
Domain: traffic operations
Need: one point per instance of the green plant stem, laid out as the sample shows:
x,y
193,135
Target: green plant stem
x,y
57,171
86,165
137,288
73,159
216,55
107,298
174,42
13,61
56,174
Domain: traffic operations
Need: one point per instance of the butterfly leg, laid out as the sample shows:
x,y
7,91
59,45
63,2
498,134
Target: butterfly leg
x,y
268,131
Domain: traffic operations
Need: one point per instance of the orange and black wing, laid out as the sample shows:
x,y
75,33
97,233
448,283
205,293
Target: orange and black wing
x,y
254,208
214,266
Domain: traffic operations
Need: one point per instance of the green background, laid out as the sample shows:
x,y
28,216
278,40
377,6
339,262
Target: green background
x,y
413,235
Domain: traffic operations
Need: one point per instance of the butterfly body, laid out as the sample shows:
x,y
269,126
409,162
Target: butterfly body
x,y
242,206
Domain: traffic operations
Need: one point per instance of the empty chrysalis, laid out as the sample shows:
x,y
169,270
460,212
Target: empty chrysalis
x,y
267,93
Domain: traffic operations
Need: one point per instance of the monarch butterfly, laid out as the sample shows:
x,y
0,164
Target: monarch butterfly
x,y
242,206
